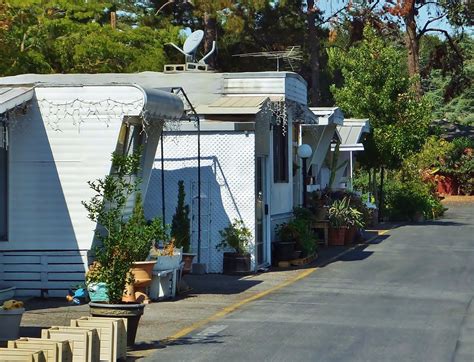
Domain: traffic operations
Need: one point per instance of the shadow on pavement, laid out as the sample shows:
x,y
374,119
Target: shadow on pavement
x,y
218,284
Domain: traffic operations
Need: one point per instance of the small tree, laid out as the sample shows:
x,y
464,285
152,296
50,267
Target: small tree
x,y
122,239
180,224
236,236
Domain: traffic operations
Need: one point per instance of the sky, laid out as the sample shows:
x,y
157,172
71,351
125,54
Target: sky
x,y
331,6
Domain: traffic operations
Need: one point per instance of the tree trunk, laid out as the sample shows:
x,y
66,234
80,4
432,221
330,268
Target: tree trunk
x,y
314,49
210,32
412,44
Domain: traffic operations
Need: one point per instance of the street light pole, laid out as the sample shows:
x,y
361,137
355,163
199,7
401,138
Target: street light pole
x,y
305,176
304,152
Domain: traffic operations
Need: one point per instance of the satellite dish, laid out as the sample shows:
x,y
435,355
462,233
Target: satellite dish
x,y
190,47
192,42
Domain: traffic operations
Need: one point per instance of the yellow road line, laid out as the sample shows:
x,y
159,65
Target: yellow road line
x,y
229,309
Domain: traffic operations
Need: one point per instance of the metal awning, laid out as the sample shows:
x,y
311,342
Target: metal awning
x,y
12,97
351,134
227,105
251,105
328,115
352,130
161,104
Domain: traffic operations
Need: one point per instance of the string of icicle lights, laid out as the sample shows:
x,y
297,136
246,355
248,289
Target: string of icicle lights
x,y
79,110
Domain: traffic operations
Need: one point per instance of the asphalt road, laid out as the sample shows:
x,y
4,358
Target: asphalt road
x,y
407,297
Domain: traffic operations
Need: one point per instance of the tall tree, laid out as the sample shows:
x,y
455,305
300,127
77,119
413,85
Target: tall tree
x,y
376,86
457,12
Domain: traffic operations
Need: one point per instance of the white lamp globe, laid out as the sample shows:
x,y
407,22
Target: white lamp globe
x,y
305,151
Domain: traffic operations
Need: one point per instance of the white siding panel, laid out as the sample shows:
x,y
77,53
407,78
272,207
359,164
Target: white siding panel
x,y
228,184
55,150
296,90
267,86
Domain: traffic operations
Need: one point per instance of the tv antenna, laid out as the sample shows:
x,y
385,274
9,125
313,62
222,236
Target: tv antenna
x,y
290,55
189,51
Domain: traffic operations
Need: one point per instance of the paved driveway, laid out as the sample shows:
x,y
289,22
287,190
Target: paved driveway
x,y
407,297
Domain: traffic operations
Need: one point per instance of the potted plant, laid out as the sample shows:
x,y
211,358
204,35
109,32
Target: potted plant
x,y
286,234
167,257
122,242
338,221
354,222
237,237
10,318
180,228
305,238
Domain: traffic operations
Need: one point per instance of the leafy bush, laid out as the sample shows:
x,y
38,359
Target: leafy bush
x,y
235,236
408,200
122,240
298,230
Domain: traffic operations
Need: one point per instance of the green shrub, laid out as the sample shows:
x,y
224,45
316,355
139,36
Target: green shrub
x,y
236,236
408,200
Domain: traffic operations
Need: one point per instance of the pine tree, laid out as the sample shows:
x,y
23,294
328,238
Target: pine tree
x,y
180,224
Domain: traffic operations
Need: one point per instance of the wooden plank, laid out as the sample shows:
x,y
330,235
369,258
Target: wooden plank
x,y
21,259
25,284
66,276
38,267
59,259
12,276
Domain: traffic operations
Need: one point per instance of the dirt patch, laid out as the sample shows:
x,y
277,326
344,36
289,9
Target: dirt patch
x,y
454,199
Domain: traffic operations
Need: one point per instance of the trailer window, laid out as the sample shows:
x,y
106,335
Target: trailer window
x,y
280,154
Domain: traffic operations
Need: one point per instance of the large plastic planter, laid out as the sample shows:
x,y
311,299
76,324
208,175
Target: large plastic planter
x,y
10,323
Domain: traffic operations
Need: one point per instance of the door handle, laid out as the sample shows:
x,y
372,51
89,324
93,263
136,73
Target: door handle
x,y
266,209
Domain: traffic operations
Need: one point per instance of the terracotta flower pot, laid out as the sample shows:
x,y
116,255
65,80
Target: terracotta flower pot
x,y
142,274
336,236
349,235
188,262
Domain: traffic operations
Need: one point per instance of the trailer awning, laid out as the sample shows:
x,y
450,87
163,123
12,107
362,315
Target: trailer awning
x,y
161,104
12,97
249,105
328,115
351,134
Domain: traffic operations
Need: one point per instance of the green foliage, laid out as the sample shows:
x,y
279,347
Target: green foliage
x,y
72,37
339,213
448,82
298,230
180,225
431,157
376,86
235,236
410,199
122,239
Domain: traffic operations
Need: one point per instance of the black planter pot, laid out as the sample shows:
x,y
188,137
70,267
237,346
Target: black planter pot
x,y
132,312
235,263
285,250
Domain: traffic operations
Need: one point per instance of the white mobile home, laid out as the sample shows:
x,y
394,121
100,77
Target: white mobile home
x,y
57,133
246,142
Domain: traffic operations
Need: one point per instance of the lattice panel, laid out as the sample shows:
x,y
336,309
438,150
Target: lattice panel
x,y
227,191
